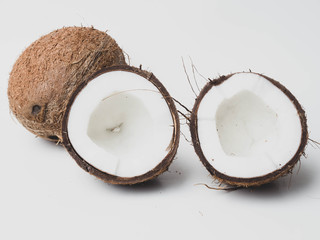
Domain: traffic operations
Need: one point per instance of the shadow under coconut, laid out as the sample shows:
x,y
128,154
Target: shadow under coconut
x,y
173,178
294,183
149,186
47,143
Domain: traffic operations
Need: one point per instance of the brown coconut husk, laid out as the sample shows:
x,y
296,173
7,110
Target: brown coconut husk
x,y
172,146
50,69
256,181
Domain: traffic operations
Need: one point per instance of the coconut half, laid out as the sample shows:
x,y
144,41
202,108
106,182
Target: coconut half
x,y
248,129
122,126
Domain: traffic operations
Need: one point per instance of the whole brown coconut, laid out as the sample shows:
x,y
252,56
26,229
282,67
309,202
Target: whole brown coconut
x,y
50,69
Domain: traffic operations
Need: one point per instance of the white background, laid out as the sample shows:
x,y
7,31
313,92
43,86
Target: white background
x,y
45,195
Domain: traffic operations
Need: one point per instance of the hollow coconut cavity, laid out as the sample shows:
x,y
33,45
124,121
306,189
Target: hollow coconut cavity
x,y
50,69
248,129
122,126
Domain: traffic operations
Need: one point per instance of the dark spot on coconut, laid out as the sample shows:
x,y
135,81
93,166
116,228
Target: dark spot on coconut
x,y
53,137
35,109
87,168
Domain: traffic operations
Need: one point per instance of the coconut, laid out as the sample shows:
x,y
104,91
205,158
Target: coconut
x,y
121,126
248,129
50,69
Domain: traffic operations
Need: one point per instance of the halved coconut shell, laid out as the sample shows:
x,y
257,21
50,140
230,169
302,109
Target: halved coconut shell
x,y
121,126
248,129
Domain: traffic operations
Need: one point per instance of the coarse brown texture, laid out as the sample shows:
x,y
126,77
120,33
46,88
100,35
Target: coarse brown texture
x,y
172,146
50,69
256,181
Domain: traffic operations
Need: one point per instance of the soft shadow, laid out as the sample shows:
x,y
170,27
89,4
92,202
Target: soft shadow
x,y
173,178
47,143
176,175
153,185
295,183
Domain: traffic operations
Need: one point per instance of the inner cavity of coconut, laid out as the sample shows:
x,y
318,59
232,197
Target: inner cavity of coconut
x,y
120,124
248,127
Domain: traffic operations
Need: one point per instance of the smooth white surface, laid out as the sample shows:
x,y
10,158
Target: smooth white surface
x,y
248,127
45,195
121,124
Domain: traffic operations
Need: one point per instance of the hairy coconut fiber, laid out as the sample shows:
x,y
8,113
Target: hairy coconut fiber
x,y
50,69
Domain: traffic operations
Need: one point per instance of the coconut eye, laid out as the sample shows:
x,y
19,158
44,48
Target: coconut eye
x,y
53,137
35,109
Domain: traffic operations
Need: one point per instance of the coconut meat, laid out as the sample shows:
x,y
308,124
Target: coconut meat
x,y
120,124
248,127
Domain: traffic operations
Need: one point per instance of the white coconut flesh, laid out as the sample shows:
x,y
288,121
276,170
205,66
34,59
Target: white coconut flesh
x,y
248,127
121,124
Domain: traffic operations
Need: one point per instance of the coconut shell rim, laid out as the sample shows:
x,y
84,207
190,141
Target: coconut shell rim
x,y
254,181
110,178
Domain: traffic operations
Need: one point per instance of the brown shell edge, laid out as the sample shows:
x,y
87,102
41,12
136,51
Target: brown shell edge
x,y
109,178
256,181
